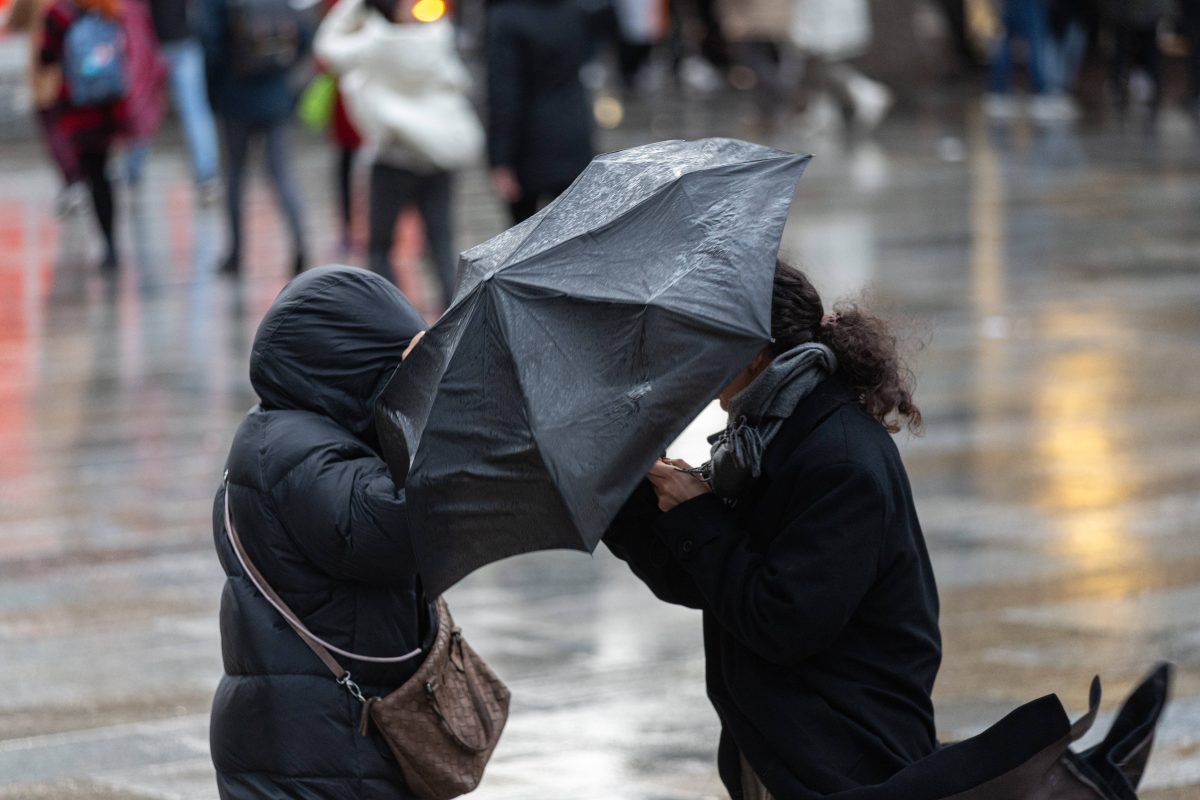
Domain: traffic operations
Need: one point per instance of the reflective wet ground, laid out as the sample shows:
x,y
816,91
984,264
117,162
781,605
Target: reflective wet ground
x,y
1053,276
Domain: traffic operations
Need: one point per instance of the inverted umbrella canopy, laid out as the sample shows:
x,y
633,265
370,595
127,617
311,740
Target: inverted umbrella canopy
x,y
582,342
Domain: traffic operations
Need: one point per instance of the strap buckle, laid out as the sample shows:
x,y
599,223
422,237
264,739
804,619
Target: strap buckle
x,y
351,687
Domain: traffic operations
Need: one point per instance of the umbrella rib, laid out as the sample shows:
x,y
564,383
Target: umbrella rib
x,y
549,335
708,323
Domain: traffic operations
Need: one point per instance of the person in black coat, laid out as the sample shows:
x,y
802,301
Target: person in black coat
x,y
317,512
804,552
539,116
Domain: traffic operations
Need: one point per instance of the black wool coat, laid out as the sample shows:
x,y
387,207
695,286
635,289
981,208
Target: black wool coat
x,y
539,115
319,516
820,609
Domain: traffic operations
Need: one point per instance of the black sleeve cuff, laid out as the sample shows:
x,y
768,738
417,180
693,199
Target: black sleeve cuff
x,y
688,527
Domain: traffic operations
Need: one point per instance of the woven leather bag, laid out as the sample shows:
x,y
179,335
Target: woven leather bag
x,y
444,722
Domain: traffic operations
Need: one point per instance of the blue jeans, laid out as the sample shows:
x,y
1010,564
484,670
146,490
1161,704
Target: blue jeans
x,y
1062,57
238,137
189,95
1023,20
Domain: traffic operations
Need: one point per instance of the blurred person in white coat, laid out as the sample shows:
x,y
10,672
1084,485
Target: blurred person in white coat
x,y
405,89
830,33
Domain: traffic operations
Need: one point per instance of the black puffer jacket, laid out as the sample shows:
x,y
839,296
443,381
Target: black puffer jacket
x,y
320,517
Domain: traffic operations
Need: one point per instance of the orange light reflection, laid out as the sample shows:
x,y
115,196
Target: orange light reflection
x,y
429,10
1076,418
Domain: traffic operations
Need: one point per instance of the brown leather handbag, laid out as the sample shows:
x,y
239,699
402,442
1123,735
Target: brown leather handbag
x,y
442,724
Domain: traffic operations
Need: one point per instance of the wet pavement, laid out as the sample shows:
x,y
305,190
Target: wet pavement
x,y
1052,275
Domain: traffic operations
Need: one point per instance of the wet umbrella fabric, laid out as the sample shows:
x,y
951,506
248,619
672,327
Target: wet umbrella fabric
x,y
581,342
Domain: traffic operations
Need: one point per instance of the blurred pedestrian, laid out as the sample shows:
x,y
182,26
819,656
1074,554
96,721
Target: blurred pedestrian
x,y
251,48
804,551
405,89
539,114
25,17
323,108
317,514
82,72
147,73
1025,22
184,55
757,34
829,33
641,24
1135,25
700,70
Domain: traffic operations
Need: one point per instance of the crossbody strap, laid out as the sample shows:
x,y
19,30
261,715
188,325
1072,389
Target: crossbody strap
x,y
315,643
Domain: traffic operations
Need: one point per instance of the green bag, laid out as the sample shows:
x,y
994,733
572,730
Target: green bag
x,y
315,108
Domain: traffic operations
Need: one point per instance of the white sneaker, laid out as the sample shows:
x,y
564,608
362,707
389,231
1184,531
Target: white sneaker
x,y
821,118
871,99
1000,106
70,200
1053,108
699,75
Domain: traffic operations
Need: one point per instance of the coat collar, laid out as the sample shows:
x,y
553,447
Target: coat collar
x,y
829,395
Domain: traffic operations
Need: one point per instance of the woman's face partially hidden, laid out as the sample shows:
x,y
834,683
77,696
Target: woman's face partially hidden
x,y
743,378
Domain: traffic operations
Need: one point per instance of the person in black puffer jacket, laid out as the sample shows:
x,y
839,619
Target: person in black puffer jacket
x,y
319,516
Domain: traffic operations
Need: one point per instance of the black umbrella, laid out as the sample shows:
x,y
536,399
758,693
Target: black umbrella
x,y
581,342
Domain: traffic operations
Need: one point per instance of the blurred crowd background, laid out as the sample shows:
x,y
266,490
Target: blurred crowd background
x,y
406,92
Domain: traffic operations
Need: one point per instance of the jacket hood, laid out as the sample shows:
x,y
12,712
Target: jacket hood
x,y
328,344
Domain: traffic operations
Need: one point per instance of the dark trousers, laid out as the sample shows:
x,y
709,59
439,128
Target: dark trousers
x,y
238,135
94,166
684,14
1136,46
392,190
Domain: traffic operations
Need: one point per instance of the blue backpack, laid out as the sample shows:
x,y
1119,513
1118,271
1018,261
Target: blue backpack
x,y
94,61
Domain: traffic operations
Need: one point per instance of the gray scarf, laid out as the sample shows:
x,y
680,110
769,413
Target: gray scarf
x,y
758,412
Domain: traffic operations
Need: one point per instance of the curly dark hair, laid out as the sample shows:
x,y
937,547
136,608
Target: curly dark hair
x,y
866,348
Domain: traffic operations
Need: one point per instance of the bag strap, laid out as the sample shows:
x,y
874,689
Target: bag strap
x,y
315,643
